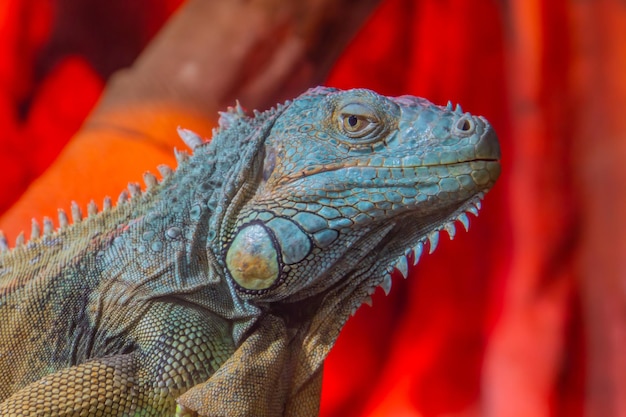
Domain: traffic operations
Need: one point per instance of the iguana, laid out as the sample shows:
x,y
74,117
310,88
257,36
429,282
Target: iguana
x,y
219,290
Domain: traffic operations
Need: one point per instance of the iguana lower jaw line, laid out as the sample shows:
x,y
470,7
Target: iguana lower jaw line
x,y
426,243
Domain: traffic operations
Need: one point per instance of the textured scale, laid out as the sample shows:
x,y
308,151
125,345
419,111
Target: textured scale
x,y
220,289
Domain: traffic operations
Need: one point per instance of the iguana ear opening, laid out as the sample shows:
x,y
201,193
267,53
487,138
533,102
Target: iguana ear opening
x,y
269,162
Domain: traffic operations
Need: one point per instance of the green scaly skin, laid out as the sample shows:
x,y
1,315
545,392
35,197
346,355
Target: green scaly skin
x,y
219,290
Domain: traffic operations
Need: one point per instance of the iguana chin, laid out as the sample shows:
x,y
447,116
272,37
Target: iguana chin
x,y
219,290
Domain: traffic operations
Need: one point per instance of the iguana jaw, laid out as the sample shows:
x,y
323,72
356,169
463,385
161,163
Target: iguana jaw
x,y
335,305
426,241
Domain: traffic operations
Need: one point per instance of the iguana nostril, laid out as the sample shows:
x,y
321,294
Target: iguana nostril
x,y
465,125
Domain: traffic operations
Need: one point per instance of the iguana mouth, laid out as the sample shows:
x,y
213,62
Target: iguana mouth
x,y
358,164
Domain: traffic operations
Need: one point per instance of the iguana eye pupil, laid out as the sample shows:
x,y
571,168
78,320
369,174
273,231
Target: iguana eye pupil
x,y
355,124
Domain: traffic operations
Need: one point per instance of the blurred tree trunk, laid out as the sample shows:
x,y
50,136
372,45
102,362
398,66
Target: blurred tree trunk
x,y
207,55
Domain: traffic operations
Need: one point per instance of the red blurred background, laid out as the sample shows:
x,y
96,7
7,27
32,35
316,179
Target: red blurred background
x,y
525,315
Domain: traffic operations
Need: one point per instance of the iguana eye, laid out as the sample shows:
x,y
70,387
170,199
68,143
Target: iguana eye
x,y
358,120
354,124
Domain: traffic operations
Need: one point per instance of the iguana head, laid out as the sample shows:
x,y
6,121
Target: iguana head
x,y
349,185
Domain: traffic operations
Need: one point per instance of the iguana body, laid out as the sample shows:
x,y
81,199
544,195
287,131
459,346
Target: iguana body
x,y
221,288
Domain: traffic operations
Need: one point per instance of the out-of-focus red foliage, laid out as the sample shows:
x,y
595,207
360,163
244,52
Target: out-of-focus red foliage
x,y
508,320
54,57
22,30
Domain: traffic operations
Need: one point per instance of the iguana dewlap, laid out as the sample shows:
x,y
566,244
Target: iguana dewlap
x,y
220,289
